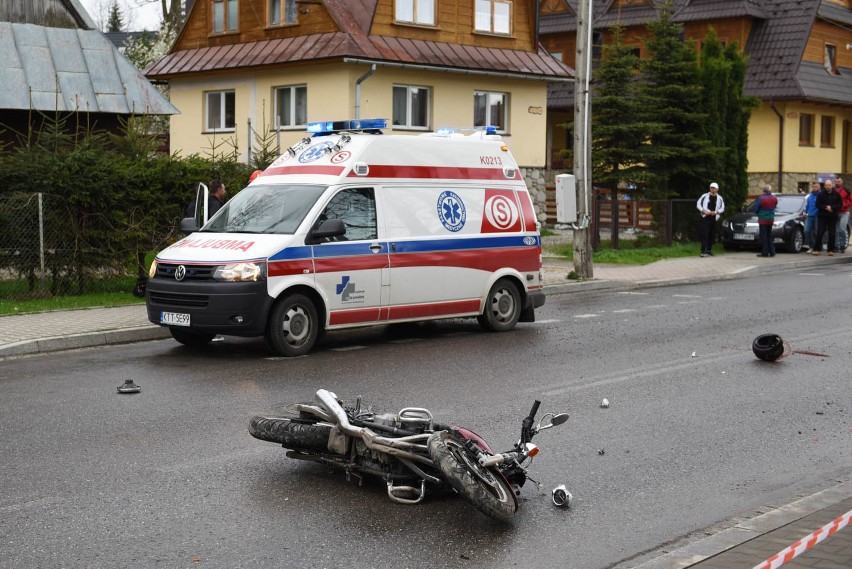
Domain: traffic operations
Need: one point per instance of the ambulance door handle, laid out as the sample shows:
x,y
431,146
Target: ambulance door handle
x,y
375,247
393,247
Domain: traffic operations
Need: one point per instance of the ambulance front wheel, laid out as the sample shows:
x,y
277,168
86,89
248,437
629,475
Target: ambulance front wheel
x,y
502,307
293,326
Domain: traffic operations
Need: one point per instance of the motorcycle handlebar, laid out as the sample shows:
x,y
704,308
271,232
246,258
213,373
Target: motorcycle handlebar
x,y
534,409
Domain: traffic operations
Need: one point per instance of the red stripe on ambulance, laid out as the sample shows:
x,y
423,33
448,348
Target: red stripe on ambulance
x,y
414,311
523,259
284,268
467,174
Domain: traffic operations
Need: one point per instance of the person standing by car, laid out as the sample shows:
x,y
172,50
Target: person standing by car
x,y
711,205
842,215
810,214
828,204
764,207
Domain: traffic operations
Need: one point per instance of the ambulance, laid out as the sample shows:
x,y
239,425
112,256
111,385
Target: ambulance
x,y
352,227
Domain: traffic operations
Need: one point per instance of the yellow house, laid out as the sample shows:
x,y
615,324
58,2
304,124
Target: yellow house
x,y
800,68
240,69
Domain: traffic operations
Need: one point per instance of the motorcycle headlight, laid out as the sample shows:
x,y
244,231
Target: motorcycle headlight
x,y
153,270
240,272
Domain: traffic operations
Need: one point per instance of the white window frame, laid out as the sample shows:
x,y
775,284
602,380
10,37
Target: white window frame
x,y
490,101
222,103
227,25
487,19
276,115
408,102
420,12
283,9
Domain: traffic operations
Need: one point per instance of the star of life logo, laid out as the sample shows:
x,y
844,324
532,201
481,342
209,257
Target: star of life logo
x,y
315,152
451,211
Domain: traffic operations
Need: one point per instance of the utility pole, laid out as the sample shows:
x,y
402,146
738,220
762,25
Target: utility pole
x,y
582,141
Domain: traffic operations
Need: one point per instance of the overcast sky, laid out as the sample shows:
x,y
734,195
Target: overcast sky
x,y
137,15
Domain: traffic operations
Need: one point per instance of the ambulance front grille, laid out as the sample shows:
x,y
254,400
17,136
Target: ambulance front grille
x,y
178,299
193,272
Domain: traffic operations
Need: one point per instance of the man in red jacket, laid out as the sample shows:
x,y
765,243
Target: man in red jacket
x,y
765,209
842,215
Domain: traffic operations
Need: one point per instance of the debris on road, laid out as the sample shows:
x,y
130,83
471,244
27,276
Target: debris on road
x,y
605,403
561,496
129,387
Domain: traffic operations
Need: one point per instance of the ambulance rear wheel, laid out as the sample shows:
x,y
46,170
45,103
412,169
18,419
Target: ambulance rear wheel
x,y
293,326
502,307
194,339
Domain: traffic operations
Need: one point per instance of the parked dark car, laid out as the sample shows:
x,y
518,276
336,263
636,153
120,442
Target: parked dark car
x,y
740,231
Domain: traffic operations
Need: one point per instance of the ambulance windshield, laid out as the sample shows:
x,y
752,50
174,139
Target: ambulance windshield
x,y
265,209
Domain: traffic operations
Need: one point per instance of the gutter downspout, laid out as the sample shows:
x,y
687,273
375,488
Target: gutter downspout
x,y
358,82
780,145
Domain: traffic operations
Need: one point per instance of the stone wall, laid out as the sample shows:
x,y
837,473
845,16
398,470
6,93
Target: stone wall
x,y
791,182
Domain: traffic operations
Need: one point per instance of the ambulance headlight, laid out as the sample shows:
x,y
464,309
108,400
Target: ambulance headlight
x,y
240,272
152,272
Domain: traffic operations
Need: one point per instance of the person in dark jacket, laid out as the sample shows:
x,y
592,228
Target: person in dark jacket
x,y
765,206
216,197
829,204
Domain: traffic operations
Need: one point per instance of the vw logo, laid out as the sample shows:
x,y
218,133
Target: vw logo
x,y
529,240
180,273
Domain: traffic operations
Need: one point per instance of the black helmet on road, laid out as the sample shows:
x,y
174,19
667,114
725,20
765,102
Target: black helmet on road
x,y
768,347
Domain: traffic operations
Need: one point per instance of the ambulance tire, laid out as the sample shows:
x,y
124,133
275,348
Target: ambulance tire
x,y
293,326
502,307
193,339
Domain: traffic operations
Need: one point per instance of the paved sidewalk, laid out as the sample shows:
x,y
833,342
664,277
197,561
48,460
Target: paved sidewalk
x,y
742,546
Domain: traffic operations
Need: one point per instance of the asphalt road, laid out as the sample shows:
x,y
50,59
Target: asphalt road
x,y
698,432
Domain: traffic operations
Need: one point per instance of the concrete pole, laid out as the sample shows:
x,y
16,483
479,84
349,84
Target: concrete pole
x,y
582,141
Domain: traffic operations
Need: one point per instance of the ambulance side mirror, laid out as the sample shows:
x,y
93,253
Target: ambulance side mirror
x,y
188,224
328,228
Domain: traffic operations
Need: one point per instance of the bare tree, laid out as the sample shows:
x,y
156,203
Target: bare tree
x,y
172,11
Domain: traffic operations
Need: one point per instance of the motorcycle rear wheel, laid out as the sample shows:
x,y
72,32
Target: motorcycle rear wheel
x,y
483,487
290,434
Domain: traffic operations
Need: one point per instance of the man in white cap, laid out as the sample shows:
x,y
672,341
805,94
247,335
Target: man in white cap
x,y
711,205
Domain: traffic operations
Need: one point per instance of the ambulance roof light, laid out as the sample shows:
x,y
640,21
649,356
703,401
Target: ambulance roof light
x,y
477,131
322,128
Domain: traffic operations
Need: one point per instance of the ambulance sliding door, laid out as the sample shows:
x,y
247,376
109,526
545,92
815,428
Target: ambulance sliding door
x,y
435,249
350,269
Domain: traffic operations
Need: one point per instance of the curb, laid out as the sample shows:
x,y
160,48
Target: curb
x,y
740,533
84,340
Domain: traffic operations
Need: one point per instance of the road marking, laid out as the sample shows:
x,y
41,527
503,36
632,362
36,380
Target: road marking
x,y
635,293
623,310
586,315
348,348
46,501
686,296
812,274
657,306
550,321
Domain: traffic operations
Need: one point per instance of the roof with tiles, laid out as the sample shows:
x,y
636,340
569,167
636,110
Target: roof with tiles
x,y
780,31
338,45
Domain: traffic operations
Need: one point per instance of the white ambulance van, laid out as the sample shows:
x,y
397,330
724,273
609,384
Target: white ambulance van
x,y
352,227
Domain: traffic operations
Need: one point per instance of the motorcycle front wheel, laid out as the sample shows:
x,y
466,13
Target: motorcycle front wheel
x,y
485,488
292,434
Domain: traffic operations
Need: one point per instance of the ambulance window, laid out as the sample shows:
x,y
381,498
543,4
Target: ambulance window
x,y
356,207
266,209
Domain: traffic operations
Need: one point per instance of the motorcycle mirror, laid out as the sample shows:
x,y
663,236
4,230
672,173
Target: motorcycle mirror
x,y
551,420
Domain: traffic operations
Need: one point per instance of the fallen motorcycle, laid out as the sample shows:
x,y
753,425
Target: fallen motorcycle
x,y
409,450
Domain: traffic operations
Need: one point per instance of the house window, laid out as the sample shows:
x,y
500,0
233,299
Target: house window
x,y
415,12
225,16
831,59
220,111
411,106
282,12
491,109
806,130
494,16
291,106
826,135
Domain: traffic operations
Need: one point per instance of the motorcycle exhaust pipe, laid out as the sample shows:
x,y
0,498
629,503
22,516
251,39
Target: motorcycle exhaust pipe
x,y
330,404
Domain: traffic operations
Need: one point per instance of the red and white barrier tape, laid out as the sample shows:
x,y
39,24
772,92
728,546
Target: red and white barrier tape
x,y
810,540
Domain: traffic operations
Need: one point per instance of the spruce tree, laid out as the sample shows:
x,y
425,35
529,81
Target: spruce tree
x,y
674,92
116,21
621,128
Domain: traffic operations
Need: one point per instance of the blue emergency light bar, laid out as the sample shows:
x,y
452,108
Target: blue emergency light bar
x,y
330,127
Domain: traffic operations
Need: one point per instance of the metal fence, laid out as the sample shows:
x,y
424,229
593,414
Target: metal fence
x,y
670,221
43,253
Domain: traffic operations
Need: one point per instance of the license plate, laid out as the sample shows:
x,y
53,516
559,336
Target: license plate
x,y
744,236
174,318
